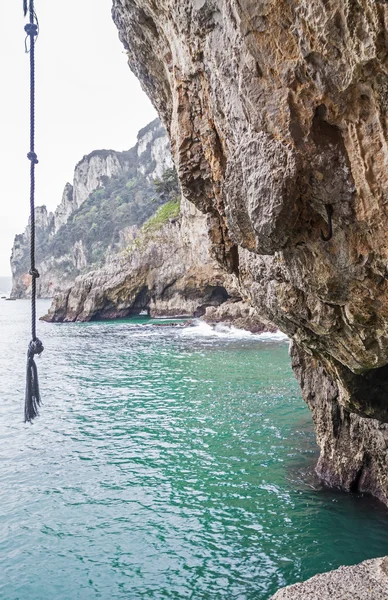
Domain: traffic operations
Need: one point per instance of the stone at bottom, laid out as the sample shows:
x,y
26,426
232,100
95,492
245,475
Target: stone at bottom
x,y
366,581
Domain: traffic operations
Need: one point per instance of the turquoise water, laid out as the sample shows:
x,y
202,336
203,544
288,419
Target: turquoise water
x,y
167,463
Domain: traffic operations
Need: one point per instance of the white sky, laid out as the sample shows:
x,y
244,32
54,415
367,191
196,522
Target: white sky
x,y
87,99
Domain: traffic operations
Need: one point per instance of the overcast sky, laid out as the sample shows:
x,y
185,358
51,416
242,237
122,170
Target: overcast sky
x,y
87,99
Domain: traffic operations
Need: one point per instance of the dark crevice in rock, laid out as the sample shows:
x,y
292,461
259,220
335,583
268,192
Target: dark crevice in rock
x,y
112,311
368,391
218,295
336,417
322,132
235,268
354,486
141,301
146,21
215,297
295,126
164,292
361,481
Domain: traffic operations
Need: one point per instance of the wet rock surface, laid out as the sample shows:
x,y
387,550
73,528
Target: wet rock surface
x,y
353,449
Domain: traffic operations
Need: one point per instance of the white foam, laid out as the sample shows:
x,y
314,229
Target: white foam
x,y
276,336
202,329
221,330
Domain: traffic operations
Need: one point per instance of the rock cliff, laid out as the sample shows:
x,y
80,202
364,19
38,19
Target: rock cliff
x,y
107,185
277,112
108,251
44,228
166,270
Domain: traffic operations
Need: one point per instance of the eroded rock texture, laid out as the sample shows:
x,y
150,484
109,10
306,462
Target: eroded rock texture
x,y
62,250
277,113
353,449
366,581
167,271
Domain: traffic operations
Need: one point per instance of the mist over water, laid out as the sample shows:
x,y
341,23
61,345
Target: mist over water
x,y
5,286
167,463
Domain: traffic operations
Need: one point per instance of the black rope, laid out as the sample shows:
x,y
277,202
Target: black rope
x,y
35,347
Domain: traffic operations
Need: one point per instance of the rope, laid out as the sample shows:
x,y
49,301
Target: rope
x,y
35,347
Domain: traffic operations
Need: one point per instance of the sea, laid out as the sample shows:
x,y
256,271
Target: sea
x,y
166,463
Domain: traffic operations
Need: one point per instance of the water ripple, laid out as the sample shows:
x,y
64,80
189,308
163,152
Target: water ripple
x,y
167,463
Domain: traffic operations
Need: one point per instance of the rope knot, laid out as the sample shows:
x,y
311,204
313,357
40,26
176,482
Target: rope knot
x,y
35,347
34,273
32,157
31,29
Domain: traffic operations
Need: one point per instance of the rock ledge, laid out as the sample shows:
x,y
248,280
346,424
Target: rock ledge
x,y
366,581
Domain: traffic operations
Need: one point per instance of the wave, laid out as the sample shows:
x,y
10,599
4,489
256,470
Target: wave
x,y
222,330
278,336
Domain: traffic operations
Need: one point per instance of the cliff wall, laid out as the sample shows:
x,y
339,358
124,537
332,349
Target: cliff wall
x,y
108,251
277,114
73,239
166,270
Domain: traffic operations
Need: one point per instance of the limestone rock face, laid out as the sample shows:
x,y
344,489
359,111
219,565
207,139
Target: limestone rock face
x,y
21,279
90,170
152,149
277,112
366,581
353,449
150,157
65,208
153,145
167,272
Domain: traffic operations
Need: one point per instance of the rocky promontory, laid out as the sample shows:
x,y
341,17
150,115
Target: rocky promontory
x,y
112,195
278,117
166,270
123,241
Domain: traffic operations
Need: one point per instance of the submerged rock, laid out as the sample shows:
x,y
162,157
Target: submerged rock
x,y
179,325
366,581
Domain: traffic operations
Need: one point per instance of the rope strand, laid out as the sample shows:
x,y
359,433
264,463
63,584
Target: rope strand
x,y
35,347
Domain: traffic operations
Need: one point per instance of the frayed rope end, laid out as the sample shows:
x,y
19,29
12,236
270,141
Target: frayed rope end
x,y
32,399
25,7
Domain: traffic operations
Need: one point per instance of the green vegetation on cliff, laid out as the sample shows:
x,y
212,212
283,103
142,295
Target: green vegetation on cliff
x,y
166,212
122,201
